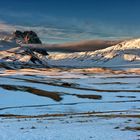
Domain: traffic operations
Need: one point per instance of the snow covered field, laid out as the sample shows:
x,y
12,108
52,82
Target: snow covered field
x,y
73,104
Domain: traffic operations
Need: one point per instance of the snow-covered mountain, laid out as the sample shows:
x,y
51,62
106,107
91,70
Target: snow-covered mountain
x,y
125,54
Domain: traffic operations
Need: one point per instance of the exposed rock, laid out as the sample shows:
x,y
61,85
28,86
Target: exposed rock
x,y
31,37
27,37
14,55
18,34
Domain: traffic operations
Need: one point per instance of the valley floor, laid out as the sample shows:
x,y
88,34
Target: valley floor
x,y
72,104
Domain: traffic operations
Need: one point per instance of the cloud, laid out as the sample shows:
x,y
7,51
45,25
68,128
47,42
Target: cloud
x,y
70,32
53,34
54,29
88,45
6,28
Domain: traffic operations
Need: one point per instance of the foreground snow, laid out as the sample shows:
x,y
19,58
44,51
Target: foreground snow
x,y
72,104
67,128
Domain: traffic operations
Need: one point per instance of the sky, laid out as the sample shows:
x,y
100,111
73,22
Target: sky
x,y
73,20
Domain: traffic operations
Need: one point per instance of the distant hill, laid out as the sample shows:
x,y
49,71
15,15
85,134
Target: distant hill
x,y
124,54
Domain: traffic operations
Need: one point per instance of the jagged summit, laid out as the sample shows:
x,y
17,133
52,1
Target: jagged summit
x,y
27,37
13,55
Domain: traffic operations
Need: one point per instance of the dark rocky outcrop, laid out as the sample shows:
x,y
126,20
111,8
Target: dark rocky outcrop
x,y
18,34
27,37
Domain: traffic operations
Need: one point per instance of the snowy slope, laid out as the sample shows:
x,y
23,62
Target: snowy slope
x,y
125,54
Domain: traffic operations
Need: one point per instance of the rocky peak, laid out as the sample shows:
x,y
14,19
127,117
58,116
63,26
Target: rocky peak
x,y
27,37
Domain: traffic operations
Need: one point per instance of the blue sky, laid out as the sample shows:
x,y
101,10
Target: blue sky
x,y
74,20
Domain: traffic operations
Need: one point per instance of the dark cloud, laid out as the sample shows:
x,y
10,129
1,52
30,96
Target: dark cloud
x,y
87,45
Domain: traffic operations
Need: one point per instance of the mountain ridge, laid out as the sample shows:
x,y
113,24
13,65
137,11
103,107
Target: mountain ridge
x,y
124,54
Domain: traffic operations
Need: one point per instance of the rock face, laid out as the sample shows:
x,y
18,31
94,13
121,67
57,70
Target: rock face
x,y
14,55
27,37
